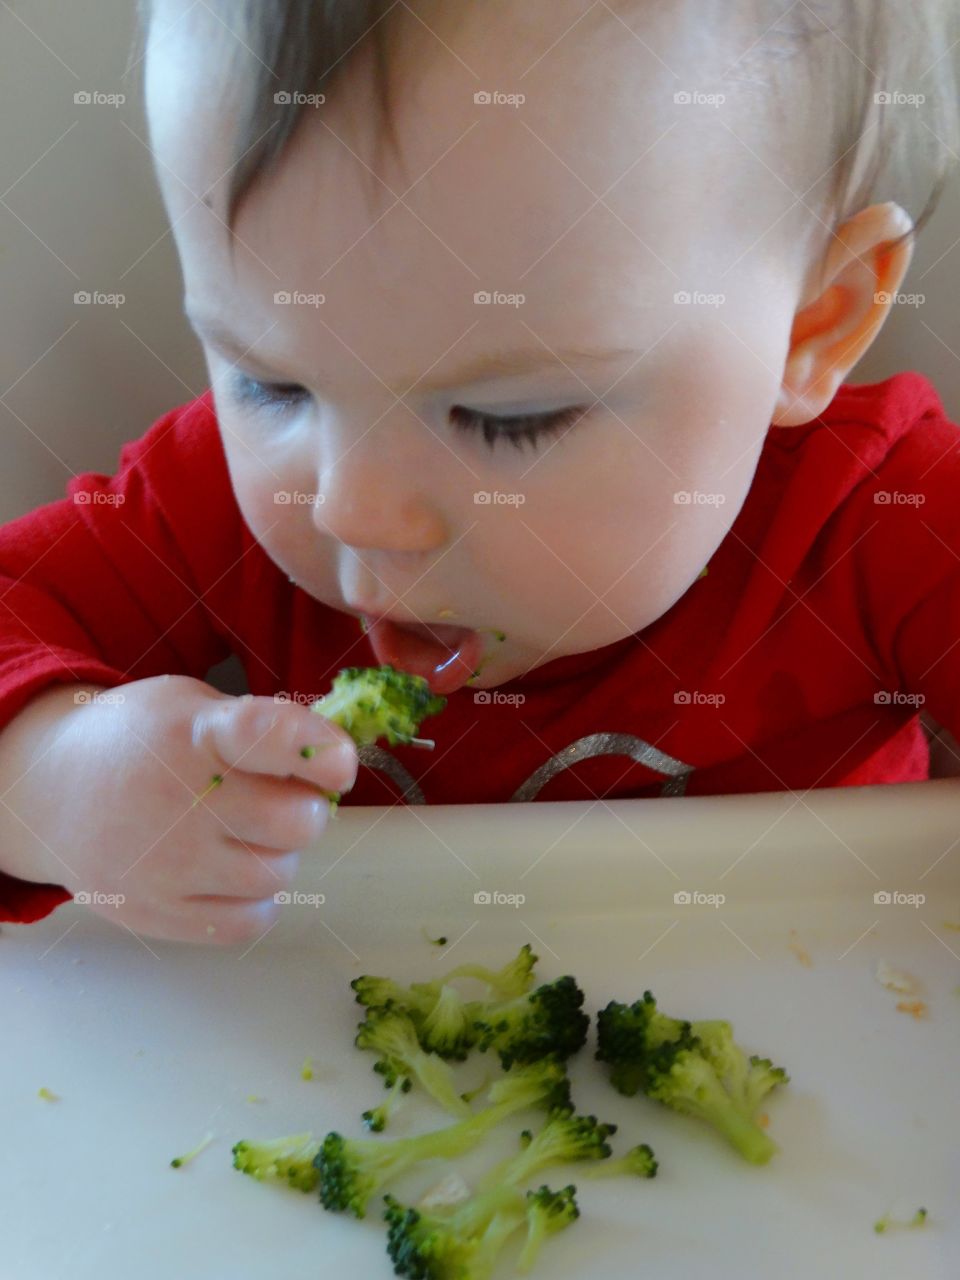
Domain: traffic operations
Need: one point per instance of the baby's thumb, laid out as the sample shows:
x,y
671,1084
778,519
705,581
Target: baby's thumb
x,y
266,736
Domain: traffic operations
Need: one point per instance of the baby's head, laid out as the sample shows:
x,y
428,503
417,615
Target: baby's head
x,y
498,311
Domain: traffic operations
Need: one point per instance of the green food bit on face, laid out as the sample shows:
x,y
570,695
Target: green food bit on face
x,y
214,782
308,752
702,573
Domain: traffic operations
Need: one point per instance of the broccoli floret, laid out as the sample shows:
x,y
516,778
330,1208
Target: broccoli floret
x,y
351,1170
444,1020
287,1160
514,979
547,1213
377,1118
695,1068
547,1020
393,1037
462,1245
379,702
564,1138
638,1162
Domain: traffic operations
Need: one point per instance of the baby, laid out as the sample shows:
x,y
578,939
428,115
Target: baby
x,y
527,325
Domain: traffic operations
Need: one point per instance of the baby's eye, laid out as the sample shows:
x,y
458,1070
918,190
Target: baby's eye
x,y
256,394
519,429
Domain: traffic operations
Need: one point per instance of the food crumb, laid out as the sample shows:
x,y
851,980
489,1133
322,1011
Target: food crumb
x,y
763,1120
306,1071
917,1008
895,979
47,1094
800,952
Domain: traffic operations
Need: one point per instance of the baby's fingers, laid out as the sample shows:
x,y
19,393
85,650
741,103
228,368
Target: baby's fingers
x,y
283,739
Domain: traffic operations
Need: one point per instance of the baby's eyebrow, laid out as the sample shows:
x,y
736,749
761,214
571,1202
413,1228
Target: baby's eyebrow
x,y
503,363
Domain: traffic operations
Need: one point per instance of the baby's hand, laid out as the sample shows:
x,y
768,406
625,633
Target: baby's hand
x,y
177,808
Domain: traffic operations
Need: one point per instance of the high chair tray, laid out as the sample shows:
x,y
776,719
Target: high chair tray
x,y
773,911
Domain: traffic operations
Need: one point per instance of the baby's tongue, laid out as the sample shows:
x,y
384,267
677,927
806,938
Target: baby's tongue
x,y
444,655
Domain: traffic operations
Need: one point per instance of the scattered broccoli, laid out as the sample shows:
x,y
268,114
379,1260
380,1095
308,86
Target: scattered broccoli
x,y
883,1224
547,1213
287,1160
695,1068
393,1037
548,1019
352,1170
379,702
463,1245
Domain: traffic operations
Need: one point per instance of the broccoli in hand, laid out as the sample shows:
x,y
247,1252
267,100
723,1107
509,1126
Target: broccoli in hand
x,y
380,702
694,1067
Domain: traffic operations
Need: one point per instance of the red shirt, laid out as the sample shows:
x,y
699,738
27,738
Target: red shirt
x,y
830,614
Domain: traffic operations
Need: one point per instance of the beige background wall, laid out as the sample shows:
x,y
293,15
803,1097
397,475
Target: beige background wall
x,y
79,211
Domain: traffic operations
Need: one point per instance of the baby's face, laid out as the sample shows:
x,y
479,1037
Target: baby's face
x,y
625,423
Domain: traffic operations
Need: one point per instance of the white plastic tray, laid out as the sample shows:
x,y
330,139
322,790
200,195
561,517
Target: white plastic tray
x,y
151,1045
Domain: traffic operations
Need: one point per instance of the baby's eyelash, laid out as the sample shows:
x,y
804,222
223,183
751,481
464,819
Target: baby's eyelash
x,y
520,429
266,395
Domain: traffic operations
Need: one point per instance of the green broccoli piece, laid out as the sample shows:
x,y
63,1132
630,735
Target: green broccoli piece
x,y
287,1160
352,1170
377,1118
566,1137
462,1245
379,702
445,1021
638,1162
695,1068
548,1019
547,1213
393,1037
883,1224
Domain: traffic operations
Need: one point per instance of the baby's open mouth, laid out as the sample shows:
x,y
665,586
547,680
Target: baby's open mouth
x,y
445,655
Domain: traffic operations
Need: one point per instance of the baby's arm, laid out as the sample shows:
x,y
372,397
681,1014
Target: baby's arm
x,y
132,584
115,797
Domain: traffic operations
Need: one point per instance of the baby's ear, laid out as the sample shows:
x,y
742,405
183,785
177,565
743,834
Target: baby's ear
x,y
853,290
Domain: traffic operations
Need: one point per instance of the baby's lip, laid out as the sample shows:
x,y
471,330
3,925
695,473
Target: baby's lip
x,y
445,655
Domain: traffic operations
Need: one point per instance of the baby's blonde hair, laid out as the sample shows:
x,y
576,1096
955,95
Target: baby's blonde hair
x,y
891,133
